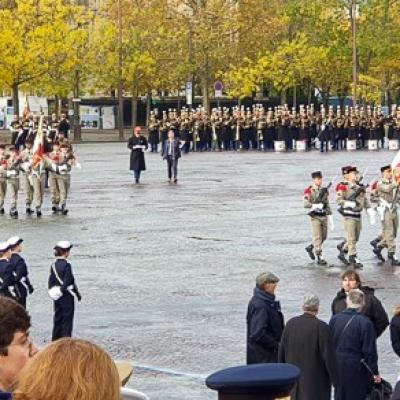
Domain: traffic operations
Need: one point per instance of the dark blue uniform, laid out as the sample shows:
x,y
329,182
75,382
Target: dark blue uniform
x,y
7,279
64,307
22,283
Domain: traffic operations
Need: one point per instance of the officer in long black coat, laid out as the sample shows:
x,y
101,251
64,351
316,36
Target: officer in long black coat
x,y
137,144
61,275
22,283
354,339
265,321
7,279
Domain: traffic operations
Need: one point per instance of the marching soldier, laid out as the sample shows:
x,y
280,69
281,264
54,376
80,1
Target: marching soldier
x,y
23,285
12,171
352,200
316,199
54,159
26,165
387,196
3,177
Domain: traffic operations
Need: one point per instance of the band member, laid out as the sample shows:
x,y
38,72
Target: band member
x,y
63,290
316,199
13,169
154,137
137,144
387,189
3,177
171,152
352,200
7,278
23,285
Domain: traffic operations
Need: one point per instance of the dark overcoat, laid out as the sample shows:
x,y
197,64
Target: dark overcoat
x,y
306,342
354,343
137,156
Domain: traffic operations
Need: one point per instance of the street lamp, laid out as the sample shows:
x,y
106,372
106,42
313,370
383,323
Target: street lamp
x,y
120,86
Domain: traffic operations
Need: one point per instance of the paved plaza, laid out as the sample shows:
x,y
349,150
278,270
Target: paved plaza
x,y
166,271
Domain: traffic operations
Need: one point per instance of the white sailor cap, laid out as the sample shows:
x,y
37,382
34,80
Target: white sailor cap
x,y
14,241
63,245
4,246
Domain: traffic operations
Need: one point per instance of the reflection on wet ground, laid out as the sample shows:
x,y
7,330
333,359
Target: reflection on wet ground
x,y
166,271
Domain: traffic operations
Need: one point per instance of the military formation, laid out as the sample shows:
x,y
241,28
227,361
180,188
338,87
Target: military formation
x,y
380,201
279,128
39,156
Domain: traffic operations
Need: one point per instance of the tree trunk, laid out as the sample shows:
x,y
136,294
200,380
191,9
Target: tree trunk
x,y
148,106
283,97
15,98
77,119
295,96
56,106
134,105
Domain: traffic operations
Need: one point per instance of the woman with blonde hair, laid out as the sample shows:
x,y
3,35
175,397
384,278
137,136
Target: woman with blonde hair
x,y
69,369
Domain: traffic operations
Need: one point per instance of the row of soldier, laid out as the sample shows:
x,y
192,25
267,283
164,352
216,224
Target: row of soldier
x,y
352,199
260,129
34,169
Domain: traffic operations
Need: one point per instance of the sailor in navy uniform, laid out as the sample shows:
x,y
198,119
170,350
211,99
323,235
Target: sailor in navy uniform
x,y
7,279
23,285
254,382
62,278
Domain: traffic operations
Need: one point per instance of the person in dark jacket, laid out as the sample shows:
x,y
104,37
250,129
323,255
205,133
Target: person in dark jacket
x,y
64,125
395,331
373,308
137,144
306,342
265,321
171,151
23,285
7,278
354,339
61,276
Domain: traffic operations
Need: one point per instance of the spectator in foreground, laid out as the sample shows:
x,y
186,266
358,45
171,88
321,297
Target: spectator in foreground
x,y
16,347
69,369
395,331
306,342
264,321
354,339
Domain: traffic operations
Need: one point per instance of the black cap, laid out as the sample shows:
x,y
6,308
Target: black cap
x,y
254,382
2,146
316,174
385,168
352,169
345,170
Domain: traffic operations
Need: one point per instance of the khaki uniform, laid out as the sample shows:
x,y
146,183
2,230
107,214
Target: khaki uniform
x,y
319,219
3,181
26,158
55,192
38,181
352,215
387,210
13,180
60,181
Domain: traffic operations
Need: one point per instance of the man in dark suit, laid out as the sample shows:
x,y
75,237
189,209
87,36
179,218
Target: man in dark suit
x,y
264,321
171,151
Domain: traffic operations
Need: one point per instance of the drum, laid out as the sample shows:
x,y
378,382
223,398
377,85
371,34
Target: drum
x,y
301,145
351,145
372,145
279,146
393,144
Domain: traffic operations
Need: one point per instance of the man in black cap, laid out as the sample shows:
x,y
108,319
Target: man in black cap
x,y
352,200
265,321
22,283
386,195
7,280
316,198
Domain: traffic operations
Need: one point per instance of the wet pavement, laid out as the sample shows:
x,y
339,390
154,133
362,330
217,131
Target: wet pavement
x,y
166,271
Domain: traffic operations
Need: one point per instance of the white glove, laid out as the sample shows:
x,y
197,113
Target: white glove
x,y
63,168
331,224
78,165
318,206
372,216
11,173
349,204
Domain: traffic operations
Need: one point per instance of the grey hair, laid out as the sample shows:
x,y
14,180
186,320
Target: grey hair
x,y
310,302
355,299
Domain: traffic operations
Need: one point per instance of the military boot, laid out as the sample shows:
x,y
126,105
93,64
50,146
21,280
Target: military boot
x,y
393,259
320,260
355,262
29,210
2,211
38,212
378,252
374,243
54,208
309,250
14,213
64,210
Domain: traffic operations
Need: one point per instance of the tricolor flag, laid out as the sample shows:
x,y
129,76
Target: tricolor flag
x,y
38,144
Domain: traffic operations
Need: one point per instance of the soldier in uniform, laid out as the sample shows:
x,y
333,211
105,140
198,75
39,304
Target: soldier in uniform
x,y
154,137
269,131
7,278
26,166
227,130
323,134
23,285
13,169
3,177
54,159
387,197
352,200
61,276
15,129
316,199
